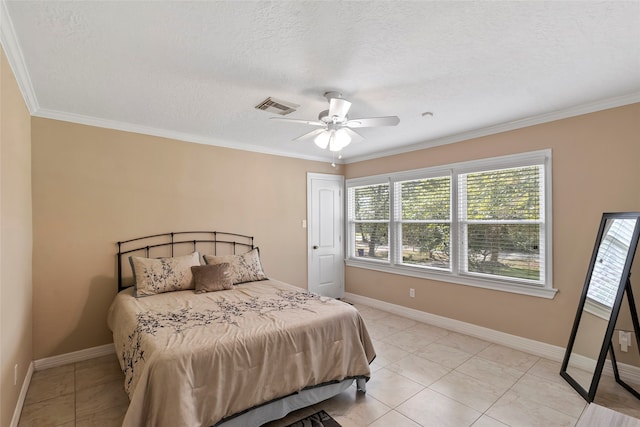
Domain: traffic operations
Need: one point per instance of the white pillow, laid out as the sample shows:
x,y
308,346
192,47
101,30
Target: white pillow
x,y
244,268
157,275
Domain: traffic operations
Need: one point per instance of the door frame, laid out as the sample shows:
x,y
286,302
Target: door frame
x,y
332,177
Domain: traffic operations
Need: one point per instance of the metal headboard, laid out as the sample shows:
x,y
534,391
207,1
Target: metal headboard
x,y
148,245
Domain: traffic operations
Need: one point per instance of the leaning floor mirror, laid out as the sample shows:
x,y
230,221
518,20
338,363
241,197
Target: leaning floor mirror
x,y
605,286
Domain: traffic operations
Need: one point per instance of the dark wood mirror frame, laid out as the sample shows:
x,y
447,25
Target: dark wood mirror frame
x,y
623,286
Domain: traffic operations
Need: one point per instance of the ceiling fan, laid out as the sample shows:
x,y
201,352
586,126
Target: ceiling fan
x,y
336,129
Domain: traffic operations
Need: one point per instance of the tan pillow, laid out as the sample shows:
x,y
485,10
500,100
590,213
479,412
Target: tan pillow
x,y
211,278
245,267
157,275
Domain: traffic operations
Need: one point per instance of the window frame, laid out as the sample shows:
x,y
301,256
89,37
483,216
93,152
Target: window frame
x,y
455,275
397,222
350,224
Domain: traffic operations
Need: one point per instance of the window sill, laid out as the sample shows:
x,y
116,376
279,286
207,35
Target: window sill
x,y
535,291
597,309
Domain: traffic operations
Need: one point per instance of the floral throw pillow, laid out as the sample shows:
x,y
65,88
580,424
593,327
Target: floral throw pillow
x,y
157,275
244,268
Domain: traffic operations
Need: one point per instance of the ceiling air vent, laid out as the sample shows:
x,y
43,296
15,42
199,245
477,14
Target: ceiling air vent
x,y
273,105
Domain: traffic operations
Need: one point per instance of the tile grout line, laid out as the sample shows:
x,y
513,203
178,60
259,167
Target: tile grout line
x,y
498,399
544,379
409,353
476,354
521,376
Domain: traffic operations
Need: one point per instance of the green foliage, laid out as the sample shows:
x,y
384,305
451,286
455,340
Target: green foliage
x,y
508,194
371,204
431,242
426,199
373,235
502,209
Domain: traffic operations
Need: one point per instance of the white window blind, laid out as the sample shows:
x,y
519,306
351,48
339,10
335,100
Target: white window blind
x,y
481,223
369,221
501,218
423,222
612,256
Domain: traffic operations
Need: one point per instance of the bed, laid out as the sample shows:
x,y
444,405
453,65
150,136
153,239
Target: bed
x,y
241,353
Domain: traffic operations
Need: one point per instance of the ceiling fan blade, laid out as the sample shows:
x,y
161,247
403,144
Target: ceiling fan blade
x,y
338,107
355,136
309,135
302,121
373,122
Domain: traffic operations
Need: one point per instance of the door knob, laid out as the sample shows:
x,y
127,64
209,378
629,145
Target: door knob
x,y
315,246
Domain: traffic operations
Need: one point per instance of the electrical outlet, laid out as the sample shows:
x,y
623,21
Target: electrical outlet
x,y
15,374
624,338
412,292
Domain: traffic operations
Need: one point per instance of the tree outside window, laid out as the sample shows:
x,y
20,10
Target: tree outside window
x,y
371,221
501,221
479,223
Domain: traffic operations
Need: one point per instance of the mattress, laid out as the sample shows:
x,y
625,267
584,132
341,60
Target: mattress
x,y
196,359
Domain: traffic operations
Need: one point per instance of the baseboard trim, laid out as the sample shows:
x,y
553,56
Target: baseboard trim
x,y
628,373
73,357
23,394
527,345
552,352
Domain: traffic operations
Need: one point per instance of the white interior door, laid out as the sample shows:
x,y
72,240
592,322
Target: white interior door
x,y
325,228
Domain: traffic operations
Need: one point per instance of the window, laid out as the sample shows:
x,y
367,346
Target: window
x,y
370,221
500,218
482,223
423,224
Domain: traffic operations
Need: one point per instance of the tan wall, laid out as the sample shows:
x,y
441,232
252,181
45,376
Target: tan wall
x,y
15,240
595,169
93,187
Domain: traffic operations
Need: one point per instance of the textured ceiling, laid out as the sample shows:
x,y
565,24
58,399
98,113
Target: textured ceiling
x,y
195,70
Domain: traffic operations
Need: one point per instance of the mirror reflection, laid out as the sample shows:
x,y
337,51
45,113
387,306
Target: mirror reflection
x,y
586,349
609,265
604,282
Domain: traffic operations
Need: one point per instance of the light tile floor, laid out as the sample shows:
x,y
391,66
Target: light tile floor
x,y
423,376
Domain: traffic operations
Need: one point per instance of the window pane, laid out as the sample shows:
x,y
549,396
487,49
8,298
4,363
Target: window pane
x,y
426,245
480,223
503,194
426,199
508,250
370,202
372,240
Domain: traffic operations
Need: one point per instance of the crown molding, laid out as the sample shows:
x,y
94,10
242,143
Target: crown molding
x,y
577,110
12,49
164,133
565,113
16,60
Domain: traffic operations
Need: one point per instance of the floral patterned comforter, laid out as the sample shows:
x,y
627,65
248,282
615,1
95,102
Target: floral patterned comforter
x,y
193,359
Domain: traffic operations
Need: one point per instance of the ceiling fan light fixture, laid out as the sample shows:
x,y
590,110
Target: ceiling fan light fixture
x,y
339,140
322,140
336,129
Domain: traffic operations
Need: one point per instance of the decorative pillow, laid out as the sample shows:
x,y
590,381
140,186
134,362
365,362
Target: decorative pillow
x,y
157,275
244,268
211,278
